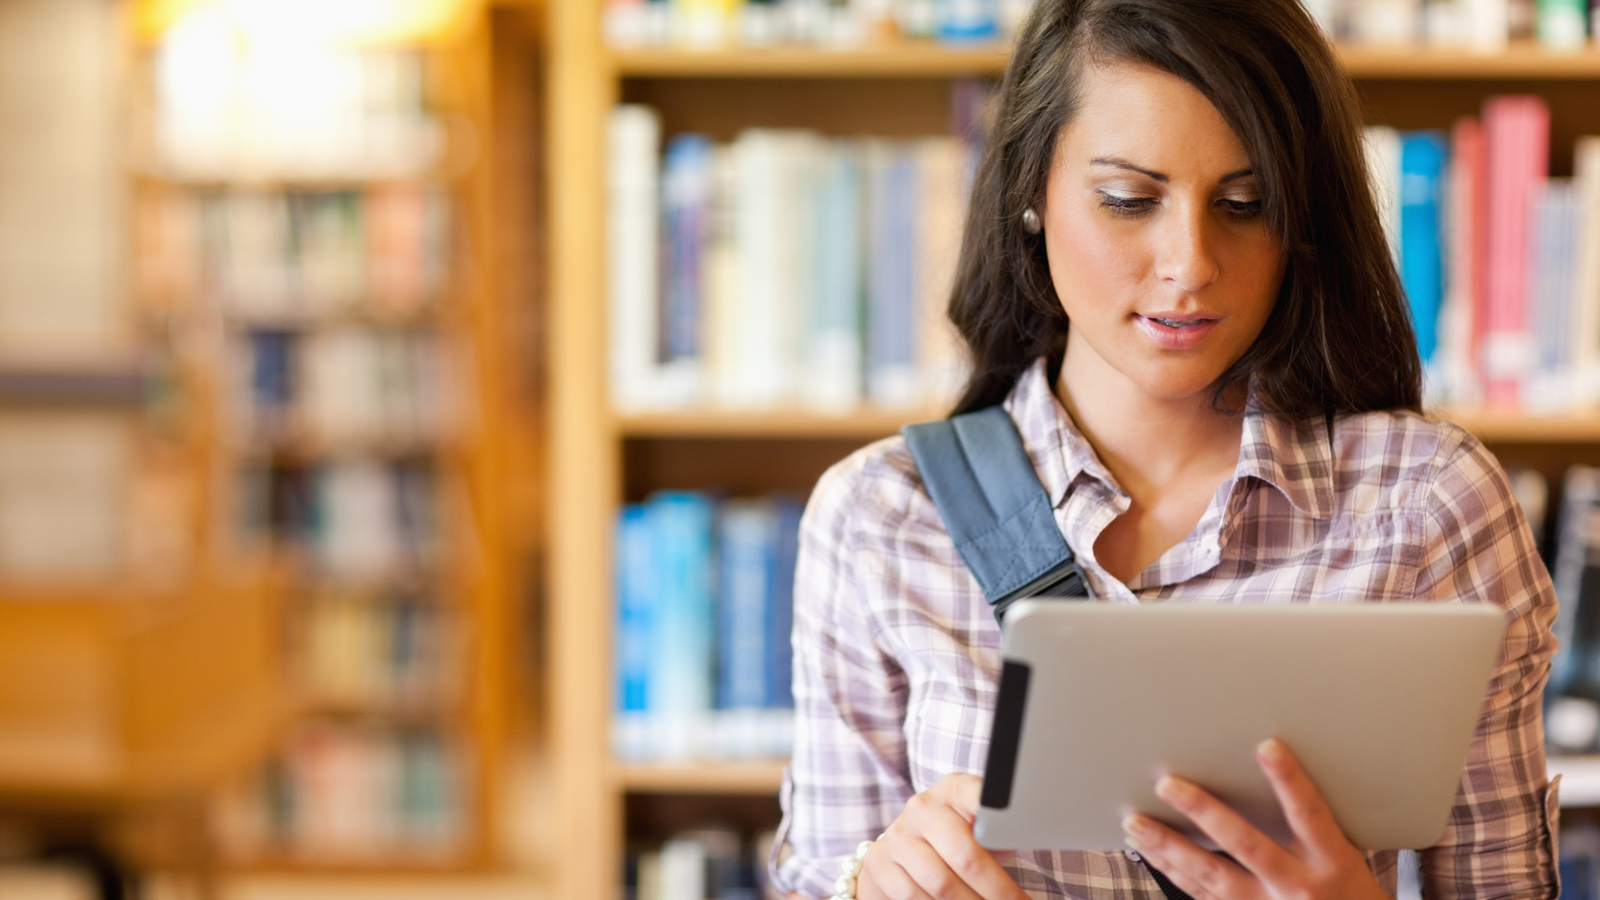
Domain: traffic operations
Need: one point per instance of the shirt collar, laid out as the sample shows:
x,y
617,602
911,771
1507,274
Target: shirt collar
x,y
1294,457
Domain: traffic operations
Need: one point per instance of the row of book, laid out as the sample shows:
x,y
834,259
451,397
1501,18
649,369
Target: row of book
x,y
230,104
1476,24
837,23
784,268
1501,263
355,519
703,864
389,651
704,598
292,255
342,386
1580,859
342,792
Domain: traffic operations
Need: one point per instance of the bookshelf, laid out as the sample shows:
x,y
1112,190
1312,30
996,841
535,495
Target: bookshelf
x,y
600,458
459,709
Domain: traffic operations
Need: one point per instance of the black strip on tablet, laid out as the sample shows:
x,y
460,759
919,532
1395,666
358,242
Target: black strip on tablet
x,y
1007,735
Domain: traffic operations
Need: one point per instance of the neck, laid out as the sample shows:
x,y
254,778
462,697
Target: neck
x,y
1147,442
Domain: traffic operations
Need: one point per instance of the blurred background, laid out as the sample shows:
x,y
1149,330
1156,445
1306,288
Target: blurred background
x,y
406,406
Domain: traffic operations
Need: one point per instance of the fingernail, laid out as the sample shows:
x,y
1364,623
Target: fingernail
x,y
1136,826
1270,751
1174,790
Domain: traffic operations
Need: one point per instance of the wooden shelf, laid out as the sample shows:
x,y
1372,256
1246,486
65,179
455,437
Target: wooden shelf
x,y
926,59
725,778
1510,427
866,424
900,60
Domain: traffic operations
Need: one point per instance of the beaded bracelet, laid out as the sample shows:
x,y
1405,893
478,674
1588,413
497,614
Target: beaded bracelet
x,y
849,871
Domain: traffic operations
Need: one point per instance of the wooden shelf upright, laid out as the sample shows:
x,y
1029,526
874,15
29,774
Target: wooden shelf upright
x,y
598,459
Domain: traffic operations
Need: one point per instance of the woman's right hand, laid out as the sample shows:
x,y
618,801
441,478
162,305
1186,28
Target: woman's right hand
x,y
929,852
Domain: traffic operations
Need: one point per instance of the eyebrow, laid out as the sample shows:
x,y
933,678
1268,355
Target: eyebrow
x,y
1117,162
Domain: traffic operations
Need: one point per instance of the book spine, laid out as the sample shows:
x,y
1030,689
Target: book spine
x,y
1383,168
746,532
1586,300
833,339
682,675
633,239
940,354
1517,134
1422,157
687,183
635,638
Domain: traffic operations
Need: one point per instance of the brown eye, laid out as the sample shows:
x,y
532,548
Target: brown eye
x,y
1242,209
1127,206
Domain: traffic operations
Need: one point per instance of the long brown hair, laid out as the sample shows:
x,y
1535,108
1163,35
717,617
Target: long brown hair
x,y
1339,338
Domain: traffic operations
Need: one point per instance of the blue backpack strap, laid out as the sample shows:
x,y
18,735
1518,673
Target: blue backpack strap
x,y
994,507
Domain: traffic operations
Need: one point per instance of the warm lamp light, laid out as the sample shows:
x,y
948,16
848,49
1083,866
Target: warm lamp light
x,y
351,22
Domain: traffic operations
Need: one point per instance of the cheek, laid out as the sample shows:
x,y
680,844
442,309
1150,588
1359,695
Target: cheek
x,y
1091,259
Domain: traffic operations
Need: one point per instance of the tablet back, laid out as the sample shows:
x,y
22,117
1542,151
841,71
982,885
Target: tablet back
x,y
1097,701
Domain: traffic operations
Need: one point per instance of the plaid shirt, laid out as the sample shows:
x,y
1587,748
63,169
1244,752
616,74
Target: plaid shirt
x,y
896,652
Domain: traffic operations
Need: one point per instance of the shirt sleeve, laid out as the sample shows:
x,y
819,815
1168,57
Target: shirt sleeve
x,y
1500,839
848,779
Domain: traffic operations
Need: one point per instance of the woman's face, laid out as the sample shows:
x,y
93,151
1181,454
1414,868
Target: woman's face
x,y
1153,227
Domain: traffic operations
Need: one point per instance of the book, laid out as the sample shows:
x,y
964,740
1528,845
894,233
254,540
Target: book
x,y
632,242
1586,315
1383,168
635,638
1422,161
682,673
1516,137
1552,294
1575,670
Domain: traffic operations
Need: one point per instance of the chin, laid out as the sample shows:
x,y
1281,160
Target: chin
x,y
1176,386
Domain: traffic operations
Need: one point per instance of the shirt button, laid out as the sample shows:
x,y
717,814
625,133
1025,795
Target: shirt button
x,y
1132,854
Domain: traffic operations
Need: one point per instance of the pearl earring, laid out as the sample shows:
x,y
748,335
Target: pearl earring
x,y
1030,221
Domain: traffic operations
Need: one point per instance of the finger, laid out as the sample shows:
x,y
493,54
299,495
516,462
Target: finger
x,y
1198,871
1304,809
949,835
960,791
932,873
1243,841
885,880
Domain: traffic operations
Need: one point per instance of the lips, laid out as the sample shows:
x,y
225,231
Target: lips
x,y
1174,331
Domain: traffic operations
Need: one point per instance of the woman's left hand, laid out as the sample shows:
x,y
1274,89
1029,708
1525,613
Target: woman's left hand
x,y
1319,864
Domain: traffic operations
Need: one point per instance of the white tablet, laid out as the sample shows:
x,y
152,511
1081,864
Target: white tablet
x,y
1097,701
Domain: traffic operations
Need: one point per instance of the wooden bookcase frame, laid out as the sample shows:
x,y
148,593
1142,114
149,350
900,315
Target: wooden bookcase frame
x,y
596,456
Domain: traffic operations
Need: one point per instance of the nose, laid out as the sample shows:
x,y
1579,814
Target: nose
x,y
1187,260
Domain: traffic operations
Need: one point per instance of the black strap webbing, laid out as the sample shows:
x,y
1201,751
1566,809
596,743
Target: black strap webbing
x,y
994,507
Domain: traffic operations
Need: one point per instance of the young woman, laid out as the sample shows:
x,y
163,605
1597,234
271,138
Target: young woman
x,y
1175,281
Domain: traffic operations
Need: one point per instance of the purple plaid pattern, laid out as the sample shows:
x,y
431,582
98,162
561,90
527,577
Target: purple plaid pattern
x,y
897,653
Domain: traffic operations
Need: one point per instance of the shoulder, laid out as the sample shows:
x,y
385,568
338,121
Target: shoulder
x,y
1420,459
876,484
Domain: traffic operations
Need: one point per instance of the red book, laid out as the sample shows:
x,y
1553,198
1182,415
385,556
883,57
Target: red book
x,y
1517,146
1468,241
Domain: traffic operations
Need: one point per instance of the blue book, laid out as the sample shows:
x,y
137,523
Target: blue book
x,y
682,666
891,281
746,540
271,380
967,21
1422,160
1553,276
686,186
787,511
634,633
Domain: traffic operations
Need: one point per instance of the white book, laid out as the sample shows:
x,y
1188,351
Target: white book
x,y
1383,167
1586,302
1386,22
762,366
632,252
682,870
832,351
941,354
341,397
64,483
359,512
1487,24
